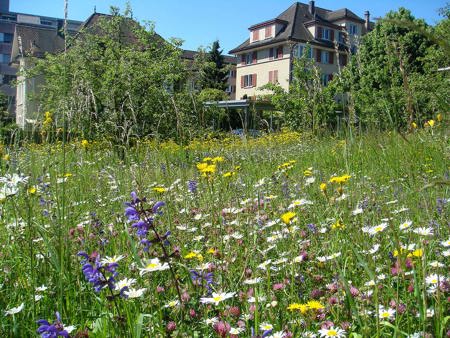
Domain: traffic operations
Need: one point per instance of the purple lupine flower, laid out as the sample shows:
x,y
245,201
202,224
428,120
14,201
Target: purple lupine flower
x,y
192,186
157,206
132,214
47,330
203,278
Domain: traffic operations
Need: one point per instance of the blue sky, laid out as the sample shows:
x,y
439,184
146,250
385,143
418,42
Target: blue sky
x,y
200,22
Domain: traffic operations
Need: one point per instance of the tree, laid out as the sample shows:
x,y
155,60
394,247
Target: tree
x,y
212,68
118,80
393,79
307,103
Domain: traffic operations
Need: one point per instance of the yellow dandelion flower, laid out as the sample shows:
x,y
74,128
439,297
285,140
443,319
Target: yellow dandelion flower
x,y
340,179
159,190
303,308
288,217
315,305
439,117
323,187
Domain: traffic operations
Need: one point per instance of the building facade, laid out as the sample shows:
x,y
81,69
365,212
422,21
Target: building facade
x,y
8,22
267,56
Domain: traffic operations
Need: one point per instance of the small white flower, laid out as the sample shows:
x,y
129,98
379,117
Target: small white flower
x,y
69,328
236,330
446,243
434,279
154,265
112,260
424,231
386,314
14,310
41,288
217,298
211,321
265,327
125,283
405,225
332,332
173,303
357,211
375,229
252,281
134,293
37,298
436,264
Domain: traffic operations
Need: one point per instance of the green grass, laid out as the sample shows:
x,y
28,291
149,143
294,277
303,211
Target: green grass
x,y
234,224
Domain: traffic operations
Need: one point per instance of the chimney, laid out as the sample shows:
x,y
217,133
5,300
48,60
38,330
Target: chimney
x,y
312,7
4,6
367,24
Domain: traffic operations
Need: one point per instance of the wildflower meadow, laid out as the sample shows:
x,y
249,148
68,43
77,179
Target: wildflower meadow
x,y
283,235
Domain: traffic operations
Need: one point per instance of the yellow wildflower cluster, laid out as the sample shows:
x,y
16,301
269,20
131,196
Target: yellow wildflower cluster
x,y
338,225
288,217
48,120
194,255
84,144
312,305
340,179
209,165
159,190
286,166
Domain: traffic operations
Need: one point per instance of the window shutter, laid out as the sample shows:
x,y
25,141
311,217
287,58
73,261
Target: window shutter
x,y
270,76
242,81
318,55
319,32
280,52
275,76
271,53
256,35
255,57
344,60
332,35
330,58
268,32
243,59
254,80
330,77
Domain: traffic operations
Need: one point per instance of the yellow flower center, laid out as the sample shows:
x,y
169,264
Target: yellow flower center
x,y
151,265
332,333
217,298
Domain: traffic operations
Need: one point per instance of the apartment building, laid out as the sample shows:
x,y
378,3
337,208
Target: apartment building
x,y
8,22
267,56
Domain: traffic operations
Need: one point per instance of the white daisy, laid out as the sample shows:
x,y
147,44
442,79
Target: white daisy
x,y
154,265
332,332
112,260
386,314
405,225
125,283
252,281
134,293
14,310
217,298
266,327
424,231
236,330
446,243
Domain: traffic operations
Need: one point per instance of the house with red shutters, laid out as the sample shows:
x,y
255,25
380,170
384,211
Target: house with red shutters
x,y
331,36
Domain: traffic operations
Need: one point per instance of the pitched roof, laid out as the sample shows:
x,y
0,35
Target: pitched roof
x,y
36,41
297,16
191,54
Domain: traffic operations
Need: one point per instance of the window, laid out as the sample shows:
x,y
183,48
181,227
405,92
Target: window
x,y
300,50
326,78
353,29
341,37
248,59
343,60
6,37
255,35
276,53
326,34
268,32
5,58
273,76
230,89
325,57
8,17
46,23
248,81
